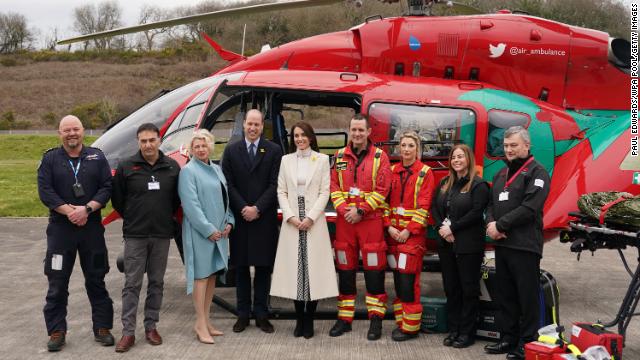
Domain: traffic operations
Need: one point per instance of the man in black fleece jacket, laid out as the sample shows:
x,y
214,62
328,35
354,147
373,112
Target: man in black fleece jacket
x,y
514,218
145,193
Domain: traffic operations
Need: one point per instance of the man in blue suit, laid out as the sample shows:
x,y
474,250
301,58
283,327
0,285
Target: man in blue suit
x,y
251,167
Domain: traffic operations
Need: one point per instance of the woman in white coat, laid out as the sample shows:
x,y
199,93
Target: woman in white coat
x,y
304,269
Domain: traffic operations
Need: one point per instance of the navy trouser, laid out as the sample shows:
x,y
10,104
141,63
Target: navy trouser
x,y
64,240
518,278
261,286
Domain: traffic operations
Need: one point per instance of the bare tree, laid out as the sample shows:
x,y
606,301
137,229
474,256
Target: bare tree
x,y
95,18
149,14
51,40
14,33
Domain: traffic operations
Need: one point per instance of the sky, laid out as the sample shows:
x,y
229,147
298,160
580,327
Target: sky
x,y
46,15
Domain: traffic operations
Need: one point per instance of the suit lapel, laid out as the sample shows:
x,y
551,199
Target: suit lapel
x,y
260,153
244,154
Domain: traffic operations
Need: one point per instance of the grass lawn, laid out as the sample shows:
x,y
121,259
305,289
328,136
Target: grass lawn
x,y
19,159
20,156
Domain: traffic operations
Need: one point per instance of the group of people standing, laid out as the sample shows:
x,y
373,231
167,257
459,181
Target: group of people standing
x,y
382,215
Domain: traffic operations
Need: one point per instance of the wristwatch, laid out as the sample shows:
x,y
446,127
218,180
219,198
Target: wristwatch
x,y
88,208
360,212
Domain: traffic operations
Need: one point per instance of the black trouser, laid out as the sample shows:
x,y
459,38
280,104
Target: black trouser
x,y
518,279
461,279
64,240
261,285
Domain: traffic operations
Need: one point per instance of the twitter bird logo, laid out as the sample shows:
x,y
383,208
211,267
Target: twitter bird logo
x,y
496,51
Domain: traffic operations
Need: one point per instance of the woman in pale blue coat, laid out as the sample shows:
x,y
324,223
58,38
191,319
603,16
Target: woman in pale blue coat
x,y
205,228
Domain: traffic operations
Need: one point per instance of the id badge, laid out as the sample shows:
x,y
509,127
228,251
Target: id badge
x,y
354,191
56,262
504,196
400,211
78,191
154,185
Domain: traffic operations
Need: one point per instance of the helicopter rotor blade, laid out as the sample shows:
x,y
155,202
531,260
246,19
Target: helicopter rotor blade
x,y
253,9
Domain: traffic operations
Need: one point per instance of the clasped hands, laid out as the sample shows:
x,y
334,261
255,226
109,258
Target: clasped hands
x,y
250,213
352,216
78,215
493,233
217,235
446,233
397,235
303,225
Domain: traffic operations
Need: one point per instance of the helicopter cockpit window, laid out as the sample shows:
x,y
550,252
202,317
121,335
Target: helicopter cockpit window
x,y
175,140
499,121
438,127
187,119
120,140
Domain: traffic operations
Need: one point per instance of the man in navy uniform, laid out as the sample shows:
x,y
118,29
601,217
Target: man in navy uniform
x,y
74,182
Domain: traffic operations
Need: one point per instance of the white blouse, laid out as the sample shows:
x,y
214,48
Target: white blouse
x,y
304,157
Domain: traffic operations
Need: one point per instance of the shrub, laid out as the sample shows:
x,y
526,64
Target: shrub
x,y
96,115
8,122
49,118
9,116
7,61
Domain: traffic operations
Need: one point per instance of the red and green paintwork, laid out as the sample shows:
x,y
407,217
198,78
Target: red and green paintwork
x,y
583,152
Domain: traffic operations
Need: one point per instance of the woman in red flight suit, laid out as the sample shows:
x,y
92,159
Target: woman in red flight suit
x,y
412,185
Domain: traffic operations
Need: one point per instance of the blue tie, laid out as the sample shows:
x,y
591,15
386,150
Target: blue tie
x,y
252,152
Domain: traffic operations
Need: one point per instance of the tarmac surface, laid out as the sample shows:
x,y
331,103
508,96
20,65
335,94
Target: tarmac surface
x,y
590,289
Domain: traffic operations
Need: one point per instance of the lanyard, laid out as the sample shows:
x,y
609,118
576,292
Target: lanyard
x,y
75,169
513,177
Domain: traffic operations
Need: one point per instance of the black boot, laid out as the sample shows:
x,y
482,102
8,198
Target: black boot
x,y
339,328
308,319
375,328
399,335
299,305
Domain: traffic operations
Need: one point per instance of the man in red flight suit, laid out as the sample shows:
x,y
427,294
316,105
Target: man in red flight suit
x,y
412,184
359,185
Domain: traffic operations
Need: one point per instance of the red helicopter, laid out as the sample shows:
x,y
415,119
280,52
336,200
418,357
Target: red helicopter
x,y
453,79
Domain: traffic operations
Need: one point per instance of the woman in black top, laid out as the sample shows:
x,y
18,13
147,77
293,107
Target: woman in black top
x,y
458,213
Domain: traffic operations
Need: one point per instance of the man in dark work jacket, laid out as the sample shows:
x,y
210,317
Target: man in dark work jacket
x,y
514,219
145,193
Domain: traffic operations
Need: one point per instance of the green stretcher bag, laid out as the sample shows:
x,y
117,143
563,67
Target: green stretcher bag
x,y
620,208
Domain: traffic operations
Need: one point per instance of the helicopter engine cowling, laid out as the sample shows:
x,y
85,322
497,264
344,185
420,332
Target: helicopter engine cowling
x,y
542,59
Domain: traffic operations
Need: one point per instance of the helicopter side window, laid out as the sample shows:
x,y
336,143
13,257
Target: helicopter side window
x,y
438,127
188,117
329,124
180,137
175,140
499,122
